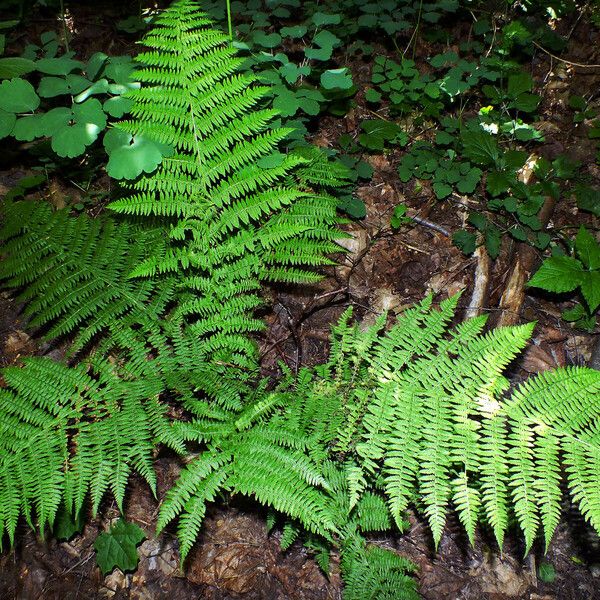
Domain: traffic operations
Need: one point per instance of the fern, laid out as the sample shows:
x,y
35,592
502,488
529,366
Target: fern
x,y
163,294
234,223
421,412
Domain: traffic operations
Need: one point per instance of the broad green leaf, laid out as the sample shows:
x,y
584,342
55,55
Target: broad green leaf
x,y
498,182
18,96
117,106
265,40
29,128
558,274
50,87
372,95
66,526
493,238
129,157
464,241
7,123
588,249
117,548
58,66
353,207
98,87
588,199
95,64
526,103
326,39
297,31
320,19
286,102
15,67
322,54
590,290
442,190
337,79
519,83
481,147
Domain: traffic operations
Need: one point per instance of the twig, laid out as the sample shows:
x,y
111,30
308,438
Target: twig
x,y
563,60
481,283
434,226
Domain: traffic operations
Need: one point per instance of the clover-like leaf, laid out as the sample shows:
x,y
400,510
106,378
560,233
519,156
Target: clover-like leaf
x,y
18,96
50,87
117,548
270,40
117,106
58,66
337,79
130,156
7,123
320,19
29,127
72,130
15,66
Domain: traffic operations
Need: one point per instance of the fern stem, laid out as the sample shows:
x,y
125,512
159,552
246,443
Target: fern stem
x,y
229,23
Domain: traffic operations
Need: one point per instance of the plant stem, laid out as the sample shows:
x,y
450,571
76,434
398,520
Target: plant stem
x,y
229,24
64,24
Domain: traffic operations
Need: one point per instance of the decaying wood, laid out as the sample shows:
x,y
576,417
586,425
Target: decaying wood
x,y
524,261
480,295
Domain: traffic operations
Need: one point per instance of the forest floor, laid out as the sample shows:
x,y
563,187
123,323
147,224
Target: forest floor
x,y
384,269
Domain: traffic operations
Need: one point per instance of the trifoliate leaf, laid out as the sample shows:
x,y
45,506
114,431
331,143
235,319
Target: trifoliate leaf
x,y
293,32
270,40
73,130
7,123
320,19
588,249
58,66
558,274
117,106
18,96
117,548
286,102
130,156
15,67
50,87
337,79
29,128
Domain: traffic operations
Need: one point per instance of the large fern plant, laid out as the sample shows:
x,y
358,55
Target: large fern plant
x,y
419,415
164,293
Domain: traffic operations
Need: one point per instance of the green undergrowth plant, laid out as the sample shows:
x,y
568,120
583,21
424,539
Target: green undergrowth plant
x,y
422,415
579,272
159,293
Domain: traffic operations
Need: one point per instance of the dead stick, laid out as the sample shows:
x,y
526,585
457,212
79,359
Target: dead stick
x,y
480,294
